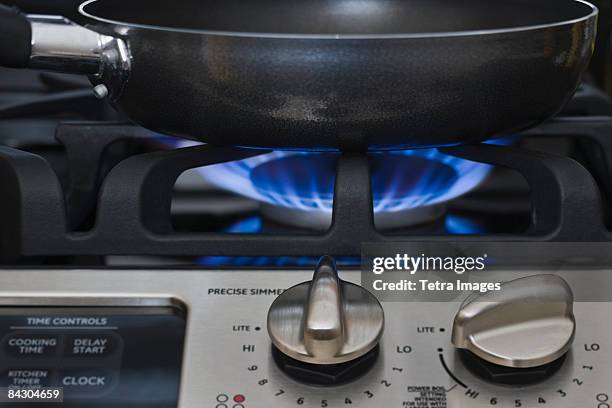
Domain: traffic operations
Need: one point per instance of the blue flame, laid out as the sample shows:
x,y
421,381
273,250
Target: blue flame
x,y
458,225
250,225
401,180
268,261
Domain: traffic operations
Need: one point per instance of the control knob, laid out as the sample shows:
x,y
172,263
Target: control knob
x,y
325,331
518,335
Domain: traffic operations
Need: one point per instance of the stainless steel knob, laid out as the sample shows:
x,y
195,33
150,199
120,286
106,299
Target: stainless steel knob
x,y
529,323
326,320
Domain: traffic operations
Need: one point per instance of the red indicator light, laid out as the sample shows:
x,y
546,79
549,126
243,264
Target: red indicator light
x,y
239,398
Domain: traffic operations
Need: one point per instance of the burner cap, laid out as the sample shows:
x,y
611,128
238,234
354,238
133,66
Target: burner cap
x,y
321,220
298,190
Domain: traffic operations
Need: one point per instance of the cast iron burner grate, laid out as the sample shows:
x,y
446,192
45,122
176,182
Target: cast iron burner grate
x,y
134,198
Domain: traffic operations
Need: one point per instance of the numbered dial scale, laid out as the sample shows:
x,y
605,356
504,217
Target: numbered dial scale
x,y
428,355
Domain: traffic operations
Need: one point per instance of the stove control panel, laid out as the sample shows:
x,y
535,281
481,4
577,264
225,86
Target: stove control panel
x,y
98,356
529,345
304,338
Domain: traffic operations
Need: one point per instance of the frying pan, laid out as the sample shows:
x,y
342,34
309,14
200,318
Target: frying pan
x,y
319,74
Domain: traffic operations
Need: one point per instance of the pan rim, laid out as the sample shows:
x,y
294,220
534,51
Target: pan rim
x,y
449,34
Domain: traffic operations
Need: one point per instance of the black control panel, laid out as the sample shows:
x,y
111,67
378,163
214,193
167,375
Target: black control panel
x,y
127,357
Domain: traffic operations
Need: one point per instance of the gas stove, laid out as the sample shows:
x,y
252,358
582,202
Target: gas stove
x,y
139,270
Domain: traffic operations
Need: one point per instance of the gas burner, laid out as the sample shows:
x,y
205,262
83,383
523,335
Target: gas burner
x,y
321,220
102,216
409,187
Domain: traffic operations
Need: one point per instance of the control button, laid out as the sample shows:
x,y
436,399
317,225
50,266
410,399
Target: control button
x,y
222,398
329,326
91,344
87,383
21,344
519,334
26,378
221,406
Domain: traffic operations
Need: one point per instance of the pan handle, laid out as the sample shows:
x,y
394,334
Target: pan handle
x,y
56,44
